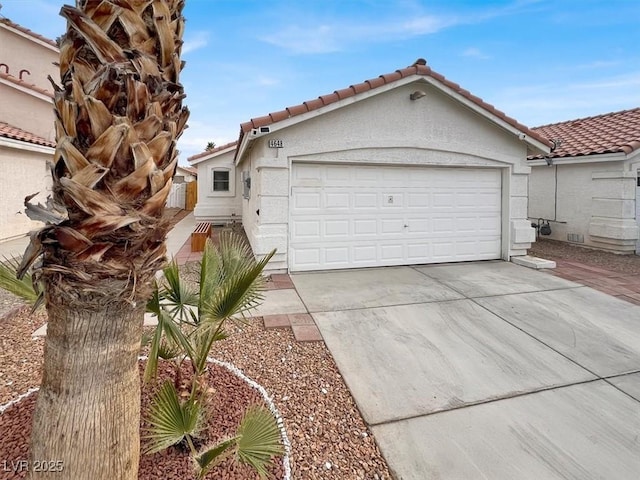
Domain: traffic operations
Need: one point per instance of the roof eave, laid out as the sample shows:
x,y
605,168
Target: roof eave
x,y
534,145
27,90
25,145
594,158
204,158
40,41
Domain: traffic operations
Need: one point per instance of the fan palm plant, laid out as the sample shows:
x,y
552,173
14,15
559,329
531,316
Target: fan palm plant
x,y
119,113
229,285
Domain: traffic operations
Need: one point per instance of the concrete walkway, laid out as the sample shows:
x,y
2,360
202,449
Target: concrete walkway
x,y
486,370
624,286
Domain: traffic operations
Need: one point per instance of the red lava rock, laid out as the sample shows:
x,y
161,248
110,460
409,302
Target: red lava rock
x,y
225,410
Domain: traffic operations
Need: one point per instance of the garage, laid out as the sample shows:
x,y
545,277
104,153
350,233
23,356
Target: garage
x,y
352,216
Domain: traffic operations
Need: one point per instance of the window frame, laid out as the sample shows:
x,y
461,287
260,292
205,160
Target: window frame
x,y
231,182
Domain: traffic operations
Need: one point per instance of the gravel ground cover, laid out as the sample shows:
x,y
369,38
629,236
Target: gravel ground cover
x,y
554,250
329,439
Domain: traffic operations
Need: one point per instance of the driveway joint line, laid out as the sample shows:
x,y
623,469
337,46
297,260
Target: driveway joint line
x,y
487,401
599,377
607,380
353,309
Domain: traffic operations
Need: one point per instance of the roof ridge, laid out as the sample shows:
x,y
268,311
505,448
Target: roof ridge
x,y
31,33
10,131
22,83
213,150
582,119
419,67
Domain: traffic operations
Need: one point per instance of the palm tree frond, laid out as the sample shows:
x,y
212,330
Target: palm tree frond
x,y
259,439
176,295
171,421
9,281
212,456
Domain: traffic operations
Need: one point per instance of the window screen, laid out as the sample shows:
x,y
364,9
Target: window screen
x,y
220,180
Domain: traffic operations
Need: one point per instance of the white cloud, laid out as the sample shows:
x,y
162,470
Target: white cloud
x,y
474,52
195,41
321,39
554,101
334,36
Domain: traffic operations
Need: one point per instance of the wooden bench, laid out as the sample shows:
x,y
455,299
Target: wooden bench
x,y
199,236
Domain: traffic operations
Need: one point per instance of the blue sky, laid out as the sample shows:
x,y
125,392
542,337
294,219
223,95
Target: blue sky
x,y
540,61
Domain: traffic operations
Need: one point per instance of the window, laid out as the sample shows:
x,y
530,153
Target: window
x,y
221,180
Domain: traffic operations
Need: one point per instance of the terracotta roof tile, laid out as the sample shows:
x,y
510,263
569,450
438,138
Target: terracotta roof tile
x,y
616,132
419,68
360,87
329,98
297,109
375,82
345,93
9,131
209,152
24,84
11,24
279,116
313,104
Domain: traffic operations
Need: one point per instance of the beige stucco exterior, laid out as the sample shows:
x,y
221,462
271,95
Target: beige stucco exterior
x,y
382,127
24,172
31,111
218,207
589,201
27,55
24,164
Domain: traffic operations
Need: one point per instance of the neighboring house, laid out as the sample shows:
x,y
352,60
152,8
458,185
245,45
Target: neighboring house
x,y
588,188
219,188
406,168
185,175
27,130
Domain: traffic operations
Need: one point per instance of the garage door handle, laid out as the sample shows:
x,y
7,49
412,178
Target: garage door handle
x,y
406,226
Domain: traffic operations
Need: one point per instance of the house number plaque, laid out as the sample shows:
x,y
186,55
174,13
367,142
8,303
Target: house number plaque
x,y
276,143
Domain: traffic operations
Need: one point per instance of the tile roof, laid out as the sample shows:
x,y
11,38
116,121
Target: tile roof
x,y
15,26
192,170
15,133
24,84
209,152
616,132
419,68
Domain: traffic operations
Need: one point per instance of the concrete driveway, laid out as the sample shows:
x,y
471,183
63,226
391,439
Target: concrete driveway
x,y
486,370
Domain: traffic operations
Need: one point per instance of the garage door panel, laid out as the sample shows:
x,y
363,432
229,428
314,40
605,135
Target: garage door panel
x,y
367,216
306,200
365,200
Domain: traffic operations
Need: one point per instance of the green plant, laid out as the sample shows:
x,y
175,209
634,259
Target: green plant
x,y
23,287
190,321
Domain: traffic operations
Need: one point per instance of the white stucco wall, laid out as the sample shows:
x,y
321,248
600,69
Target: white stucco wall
x,y
24,172
20,51
387,128
592,205
218,206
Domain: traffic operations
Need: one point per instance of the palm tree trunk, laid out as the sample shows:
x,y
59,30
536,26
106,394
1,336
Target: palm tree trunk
x,y
118,117
88,414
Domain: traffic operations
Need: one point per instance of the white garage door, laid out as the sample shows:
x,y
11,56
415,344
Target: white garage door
x,y
348,216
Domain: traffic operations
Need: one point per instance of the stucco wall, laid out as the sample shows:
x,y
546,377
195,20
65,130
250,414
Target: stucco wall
x,y
387,128
218,206
592,205
24,173
25,53
32,114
